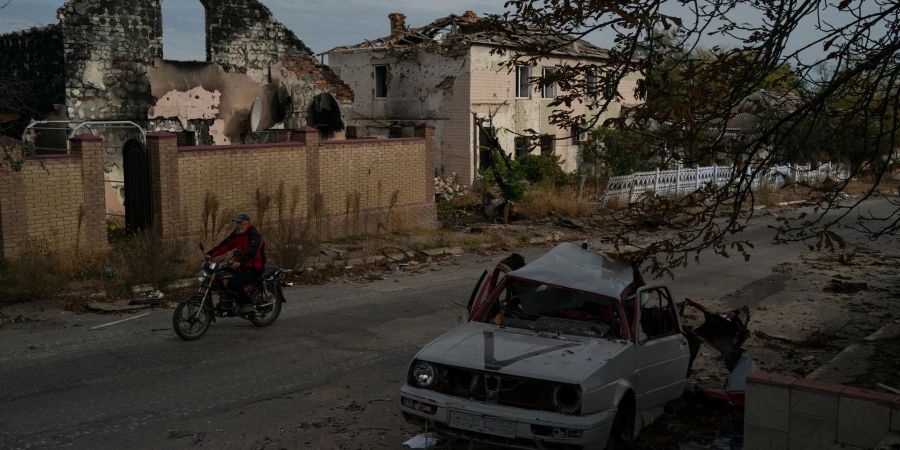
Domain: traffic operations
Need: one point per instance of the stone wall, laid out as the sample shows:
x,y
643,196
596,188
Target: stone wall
x,y
108,46
784,413
35,58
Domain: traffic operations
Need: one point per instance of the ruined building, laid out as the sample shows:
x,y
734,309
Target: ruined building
x,y
104,61
445,72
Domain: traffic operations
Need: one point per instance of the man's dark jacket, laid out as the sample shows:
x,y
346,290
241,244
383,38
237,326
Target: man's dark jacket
x,y
250,245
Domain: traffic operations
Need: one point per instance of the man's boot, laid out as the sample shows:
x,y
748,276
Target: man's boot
x,y
246,305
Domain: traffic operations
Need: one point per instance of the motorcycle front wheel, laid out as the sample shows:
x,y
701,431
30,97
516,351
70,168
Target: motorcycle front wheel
x,y
269,308
188,324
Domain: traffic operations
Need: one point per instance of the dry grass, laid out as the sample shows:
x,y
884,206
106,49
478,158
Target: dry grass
x,y
769,196
860,187
542,200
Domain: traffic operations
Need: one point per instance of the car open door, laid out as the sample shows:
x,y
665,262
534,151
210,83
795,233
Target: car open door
x,y
662,350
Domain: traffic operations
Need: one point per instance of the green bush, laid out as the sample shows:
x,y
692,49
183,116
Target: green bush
x,y
511,173
540,169
620,152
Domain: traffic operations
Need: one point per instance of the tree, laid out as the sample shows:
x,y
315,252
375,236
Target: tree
x,y
845,75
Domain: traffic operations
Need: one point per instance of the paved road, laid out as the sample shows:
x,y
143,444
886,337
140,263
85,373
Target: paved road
x,y
324,376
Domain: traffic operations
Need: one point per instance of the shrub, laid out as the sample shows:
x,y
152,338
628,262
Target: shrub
x,y
145,258
34,274
542,200
539,169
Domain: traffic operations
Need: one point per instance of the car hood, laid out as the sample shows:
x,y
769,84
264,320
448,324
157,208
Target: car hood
x,y
524,353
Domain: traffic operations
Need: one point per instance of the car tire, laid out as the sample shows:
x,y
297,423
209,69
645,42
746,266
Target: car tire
x,y
620,435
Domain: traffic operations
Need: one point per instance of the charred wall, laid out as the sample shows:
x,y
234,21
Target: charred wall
x,y
33,65
108,46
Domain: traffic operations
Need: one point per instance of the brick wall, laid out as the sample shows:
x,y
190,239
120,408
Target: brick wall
x,y
340,187
56,200
786,413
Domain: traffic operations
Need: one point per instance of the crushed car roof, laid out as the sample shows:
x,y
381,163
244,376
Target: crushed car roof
x,y
570,266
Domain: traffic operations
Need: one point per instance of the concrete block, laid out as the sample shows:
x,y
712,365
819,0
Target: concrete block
x,y
767,406
814,403
811,432
862,423
761,438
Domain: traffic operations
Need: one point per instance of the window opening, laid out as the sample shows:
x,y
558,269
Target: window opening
x,y
184,30
591,82
523,82
381,81
658,315
548,144
549,90
521,146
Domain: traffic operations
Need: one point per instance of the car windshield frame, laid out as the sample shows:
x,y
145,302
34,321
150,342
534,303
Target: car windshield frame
x,y
577,320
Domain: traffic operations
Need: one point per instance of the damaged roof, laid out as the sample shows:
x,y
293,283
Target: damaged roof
x,y
570,266
461,30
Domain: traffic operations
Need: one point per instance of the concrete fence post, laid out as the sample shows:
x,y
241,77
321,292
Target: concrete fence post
x,y
715,175
697,177
656,182
677,179
94,188
309,137
427,131
164,185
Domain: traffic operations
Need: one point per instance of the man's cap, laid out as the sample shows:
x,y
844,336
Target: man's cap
x,y
242,217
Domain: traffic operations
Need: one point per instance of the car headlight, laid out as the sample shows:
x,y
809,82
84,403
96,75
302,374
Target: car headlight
x,y
424,374
567,398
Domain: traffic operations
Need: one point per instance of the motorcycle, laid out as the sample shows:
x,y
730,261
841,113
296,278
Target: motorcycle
x,y
197,311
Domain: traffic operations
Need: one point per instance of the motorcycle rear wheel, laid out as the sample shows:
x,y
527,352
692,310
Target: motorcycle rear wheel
x,y
269,314
188,325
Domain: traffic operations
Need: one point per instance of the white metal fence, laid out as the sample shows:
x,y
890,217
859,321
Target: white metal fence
x,y
686,180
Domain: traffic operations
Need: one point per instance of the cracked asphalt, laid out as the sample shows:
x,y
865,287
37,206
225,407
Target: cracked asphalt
x,y
325,375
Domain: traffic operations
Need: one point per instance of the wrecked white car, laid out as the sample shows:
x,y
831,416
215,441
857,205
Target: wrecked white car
x,y
557,354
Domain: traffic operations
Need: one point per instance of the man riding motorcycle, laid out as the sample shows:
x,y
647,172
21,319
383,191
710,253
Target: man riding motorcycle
x,y
249,260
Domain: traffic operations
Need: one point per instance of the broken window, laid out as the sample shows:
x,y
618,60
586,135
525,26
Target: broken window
x,y
549,90
591,82
531,305
658,314
523,82
548,144
579,134
486,137
184,35
381,81
521,146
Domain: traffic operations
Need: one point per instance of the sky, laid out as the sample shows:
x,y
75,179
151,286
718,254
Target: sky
x,y
321,24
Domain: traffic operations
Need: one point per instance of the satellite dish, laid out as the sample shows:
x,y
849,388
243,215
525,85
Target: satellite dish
x,y
255,115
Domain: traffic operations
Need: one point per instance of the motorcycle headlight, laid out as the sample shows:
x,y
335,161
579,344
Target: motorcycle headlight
x,y
567,398
212,265
424,374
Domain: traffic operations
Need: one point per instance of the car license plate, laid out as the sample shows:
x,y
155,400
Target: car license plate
x,y
482,424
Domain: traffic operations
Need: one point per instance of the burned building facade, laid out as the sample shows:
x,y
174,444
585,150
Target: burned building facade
x,y
448,73
104,61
